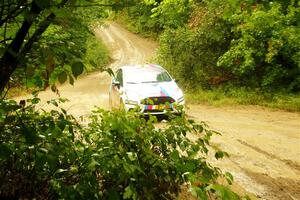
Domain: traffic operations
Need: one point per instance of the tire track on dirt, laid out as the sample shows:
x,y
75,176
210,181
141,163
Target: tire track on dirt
x,y
277,188
263,144
290,163
266,187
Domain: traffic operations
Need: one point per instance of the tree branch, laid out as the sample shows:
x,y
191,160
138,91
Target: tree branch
x,y
14,13
9,62
5,39
42,27
14,52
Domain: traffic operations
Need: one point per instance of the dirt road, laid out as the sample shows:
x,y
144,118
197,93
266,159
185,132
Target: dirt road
x,y
264,148
264,145
92,90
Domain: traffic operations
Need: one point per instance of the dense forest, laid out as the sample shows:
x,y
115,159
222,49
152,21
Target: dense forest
x,y
49,155
207,44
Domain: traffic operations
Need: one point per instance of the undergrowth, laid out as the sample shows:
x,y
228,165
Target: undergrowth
x,y
242,96
48,155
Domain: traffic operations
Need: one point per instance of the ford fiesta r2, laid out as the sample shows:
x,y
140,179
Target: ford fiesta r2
x,y
148,87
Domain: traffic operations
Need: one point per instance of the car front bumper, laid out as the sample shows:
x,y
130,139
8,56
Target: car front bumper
x,y
156,109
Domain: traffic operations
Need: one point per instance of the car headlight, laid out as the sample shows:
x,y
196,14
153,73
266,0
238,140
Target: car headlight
x,y
131,102
180,99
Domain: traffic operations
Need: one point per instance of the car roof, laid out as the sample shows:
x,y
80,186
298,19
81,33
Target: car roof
x,y
146,67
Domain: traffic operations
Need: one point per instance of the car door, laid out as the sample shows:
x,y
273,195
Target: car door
x,y
117,85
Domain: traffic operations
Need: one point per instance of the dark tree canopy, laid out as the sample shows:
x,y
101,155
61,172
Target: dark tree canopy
x,y
38,36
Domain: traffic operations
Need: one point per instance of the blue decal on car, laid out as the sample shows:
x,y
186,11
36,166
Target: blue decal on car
x,y
163,92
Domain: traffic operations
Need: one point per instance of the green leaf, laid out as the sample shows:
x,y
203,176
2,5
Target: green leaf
x,y
29,134
229,178
77,69
42,4
4,151
60,171
113,194
38,81
131,156
93,63
62,124
109,71
128,193
53,88
30,70
175,155
53,102
62,77
44,150
198,192
220,154
35,100
93,164
50,64
223,192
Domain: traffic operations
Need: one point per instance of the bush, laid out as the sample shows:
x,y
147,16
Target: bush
x,y
191,52
265,48
36,148
244,43
48,155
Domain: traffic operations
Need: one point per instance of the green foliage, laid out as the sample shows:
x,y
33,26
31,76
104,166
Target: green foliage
x,y
151,17
245,43
118,155
170,13
190,55
63,47
96,56
243,96
137,19
36,147
266,45
56,40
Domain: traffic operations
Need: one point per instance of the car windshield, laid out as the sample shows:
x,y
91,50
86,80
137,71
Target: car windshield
x,y
146,76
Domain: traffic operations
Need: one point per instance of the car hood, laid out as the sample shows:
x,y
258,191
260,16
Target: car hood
x,y
143,90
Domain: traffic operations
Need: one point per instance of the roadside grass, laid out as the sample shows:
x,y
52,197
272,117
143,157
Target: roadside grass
x,y
241,96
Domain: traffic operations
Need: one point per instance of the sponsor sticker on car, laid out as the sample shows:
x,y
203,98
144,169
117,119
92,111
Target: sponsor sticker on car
x,y
158,107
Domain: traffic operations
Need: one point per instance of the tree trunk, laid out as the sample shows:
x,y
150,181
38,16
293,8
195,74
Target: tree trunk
x,y
9,59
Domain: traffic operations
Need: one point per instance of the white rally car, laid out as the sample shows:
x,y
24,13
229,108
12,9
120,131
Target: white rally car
x,y
148,87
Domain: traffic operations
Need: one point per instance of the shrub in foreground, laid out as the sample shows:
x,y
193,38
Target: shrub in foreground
x,y
48,155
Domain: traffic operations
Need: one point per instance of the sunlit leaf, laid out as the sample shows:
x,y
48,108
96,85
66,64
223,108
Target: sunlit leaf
x,y
128,193
229,177
61,171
